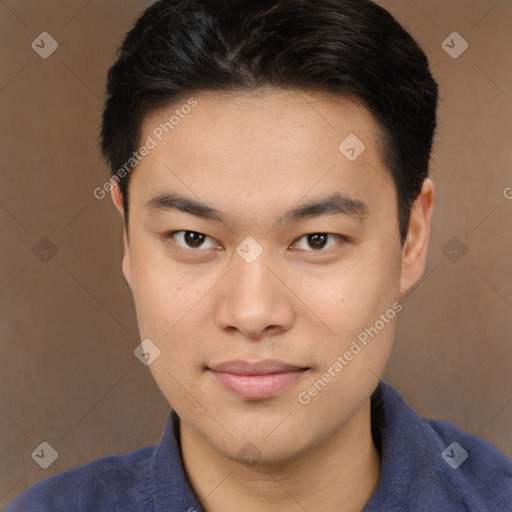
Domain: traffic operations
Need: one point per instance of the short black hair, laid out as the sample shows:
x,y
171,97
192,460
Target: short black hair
x,y
352,48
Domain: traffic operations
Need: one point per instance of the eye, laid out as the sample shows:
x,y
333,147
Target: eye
x,y
191,240
318,241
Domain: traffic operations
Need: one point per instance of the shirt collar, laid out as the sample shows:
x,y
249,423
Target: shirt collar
x,y
401,436
171,488
398,432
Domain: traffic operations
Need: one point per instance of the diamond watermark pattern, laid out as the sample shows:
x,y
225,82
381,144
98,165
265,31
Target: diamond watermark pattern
x,y
45,455
454,249
44,45
454,45
352,147
454,455
146,352
249,453
44,250
249,250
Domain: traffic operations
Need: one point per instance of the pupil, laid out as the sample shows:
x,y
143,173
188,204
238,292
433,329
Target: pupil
x,y
189,238
317,240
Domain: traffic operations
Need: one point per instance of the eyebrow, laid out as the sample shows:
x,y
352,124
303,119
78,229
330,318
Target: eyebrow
x,y
333,204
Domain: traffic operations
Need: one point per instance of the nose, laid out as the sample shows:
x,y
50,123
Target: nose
x,y
254,300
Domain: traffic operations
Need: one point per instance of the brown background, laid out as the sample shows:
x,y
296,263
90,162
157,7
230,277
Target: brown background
x,y
68,329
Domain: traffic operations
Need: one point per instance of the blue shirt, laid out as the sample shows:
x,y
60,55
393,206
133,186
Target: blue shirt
x,y
426,465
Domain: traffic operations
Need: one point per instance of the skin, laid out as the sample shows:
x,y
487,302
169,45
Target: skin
x,y
253,156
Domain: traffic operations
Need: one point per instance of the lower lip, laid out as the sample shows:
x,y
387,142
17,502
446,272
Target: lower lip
x,y
255,387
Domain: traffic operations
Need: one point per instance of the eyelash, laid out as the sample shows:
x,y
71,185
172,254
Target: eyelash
x,y
342,238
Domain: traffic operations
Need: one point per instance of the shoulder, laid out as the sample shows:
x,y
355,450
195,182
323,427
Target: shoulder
x,y
96,486
441,464
475,468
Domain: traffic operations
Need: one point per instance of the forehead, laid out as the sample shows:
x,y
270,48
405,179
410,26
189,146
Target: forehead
x,y
261,147
285,119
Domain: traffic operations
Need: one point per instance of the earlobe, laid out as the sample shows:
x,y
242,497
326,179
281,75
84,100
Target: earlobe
x,y
414,253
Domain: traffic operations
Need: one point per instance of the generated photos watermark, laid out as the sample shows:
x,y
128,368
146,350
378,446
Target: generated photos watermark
x,y
305,397
151,143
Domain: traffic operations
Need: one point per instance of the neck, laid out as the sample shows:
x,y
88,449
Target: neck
x,y
338,475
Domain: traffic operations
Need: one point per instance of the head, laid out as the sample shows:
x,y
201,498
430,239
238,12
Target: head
x,y
279,208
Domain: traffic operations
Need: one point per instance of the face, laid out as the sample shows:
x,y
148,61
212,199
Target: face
x,y
260,252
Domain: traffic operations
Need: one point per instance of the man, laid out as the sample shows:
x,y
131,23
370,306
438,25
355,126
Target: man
x,y
270,161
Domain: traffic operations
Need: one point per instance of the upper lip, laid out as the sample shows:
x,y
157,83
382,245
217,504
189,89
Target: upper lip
x,y
263,367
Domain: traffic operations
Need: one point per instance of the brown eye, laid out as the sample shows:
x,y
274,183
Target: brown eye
x,y
318,242
194,239
191,240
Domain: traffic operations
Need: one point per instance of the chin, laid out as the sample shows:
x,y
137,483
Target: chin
x,y
262,453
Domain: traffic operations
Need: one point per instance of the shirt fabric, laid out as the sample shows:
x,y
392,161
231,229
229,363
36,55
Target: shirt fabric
x,y
415,475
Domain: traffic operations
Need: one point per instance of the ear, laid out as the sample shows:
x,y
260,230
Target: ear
x,y
117,199
414,252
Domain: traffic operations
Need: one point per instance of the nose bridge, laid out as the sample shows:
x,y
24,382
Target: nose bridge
x,y
253,298
252,282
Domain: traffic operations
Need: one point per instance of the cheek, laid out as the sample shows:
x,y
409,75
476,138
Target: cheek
x,y
350,302
349,296
164,293
173,304
353,354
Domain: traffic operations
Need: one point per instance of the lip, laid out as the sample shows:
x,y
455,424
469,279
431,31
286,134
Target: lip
x,y
256,380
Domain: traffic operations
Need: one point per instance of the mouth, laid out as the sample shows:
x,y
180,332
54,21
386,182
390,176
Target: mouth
x,y
258,380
